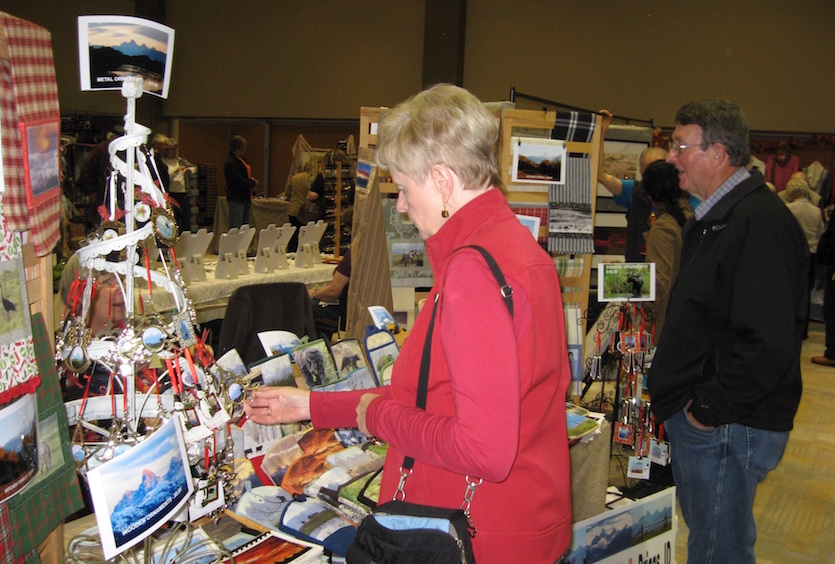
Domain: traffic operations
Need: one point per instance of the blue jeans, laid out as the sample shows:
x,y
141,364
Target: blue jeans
x,y
716,474
238,212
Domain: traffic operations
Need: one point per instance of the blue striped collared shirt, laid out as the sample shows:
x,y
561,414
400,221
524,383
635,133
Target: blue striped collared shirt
x,y
737,177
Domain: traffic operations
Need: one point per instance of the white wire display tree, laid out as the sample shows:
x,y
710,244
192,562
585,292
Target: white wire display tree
x,y
150,367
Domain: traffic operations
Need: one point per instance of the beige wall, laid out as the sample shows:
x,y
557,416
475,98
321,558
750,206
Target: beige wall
x,y
327,58
286,58
645,58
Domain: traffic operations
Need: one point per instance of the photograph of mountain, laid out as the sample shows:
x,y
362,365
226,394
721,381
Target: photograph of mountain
x,y
114,47
641,530
538,160
136,492
609,537
41,162
651,520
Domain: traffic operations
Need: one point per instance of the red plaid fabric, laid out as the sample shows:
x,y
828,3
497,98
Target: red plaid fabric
x,y
7,547
29,93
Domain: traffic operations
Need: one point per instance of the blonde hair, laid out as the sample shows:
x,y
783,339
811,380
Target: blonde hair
x,y
442,125
797,188
68,276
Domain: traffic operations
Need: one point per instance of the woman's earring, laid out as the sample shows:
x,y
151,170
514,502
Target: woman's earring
x,y
445,212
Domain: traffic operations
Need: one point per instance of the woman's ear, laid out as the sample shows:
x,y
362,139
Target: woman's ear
x,y
443,178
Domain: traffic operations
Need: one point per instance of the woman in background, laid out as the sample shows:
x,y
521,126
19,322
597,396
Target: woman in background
x,y
302,189
660,181
239,183
178,168
497,381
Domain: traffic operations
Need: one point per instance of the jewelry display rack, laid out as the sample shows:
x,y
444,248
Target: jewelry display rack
x,y
165,353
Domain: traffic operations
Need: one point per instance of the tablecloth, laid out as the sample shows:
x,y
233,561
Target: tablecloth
x,y
209,297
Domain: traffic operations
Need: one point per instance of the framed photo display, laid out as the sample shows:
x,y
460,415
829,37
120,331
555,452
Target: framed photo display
x,y
41,159
111,48
539,161
626,281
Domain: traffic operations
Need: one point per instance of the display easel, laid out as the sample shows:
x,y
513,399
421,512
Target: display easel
x,y
576,280
232,249
307,253
272,248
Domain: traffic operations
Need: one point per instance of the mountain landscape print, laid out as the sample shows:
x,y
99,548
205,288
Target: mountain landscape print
x,y
115,47
538,160
609,537
154,493
136,492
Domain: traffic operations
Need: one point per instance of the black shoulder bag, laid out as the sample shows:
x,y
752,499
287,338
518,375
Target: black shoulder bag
x,y
399,532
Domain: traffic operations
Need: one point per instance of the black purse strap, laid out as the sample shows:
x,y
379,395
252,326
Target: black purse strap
x,y
426,357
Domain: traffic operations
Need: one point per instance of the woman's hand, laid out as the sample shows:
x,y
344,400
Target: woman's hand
x,y
280,404
362,408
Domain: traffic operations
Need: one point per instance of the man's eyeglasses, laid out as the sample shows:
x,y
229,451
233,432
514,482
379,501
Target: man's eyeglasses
x,y
677,149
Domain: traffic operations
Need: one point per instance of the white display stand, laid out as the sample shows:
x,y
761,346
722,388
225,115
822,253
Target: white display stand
x,y
190,249
272,248
307,253
231,254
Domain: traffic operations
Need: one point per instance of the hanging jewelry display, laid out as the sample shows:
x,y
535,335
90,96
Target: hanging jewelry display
x,y
136,372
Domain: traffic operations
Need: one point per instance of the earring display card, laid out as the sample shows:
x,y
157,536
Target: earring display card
x,y
265,258
307,253
192,248
232,249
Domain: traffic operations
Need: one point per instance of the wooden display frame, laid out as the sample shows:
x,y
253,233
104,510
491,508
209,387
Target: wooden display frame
x,y
575,289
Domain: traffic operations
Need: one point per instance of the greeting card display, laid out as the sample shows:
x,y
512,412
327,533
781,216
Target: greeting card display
x,y
151,412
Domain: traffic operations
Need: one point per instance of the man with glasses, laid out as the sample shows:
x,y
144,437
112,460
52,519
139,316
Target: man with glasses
x,y
725,380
